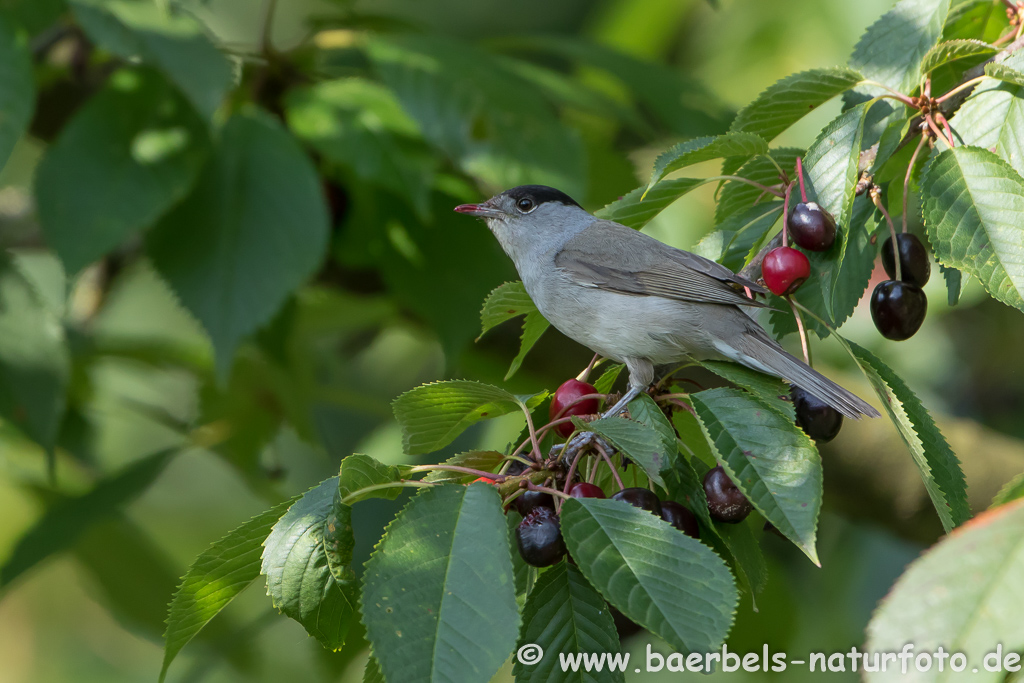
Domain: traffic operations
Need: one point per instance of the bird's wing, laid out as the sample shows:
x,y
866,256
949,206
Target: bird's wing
x,y
631,262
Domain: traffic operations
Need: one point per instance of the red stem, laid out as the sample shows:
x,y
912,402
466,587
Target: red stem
x,y
800,177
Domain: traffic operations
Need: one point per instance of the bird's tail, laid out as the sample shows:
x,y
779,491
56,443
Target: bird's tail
x,y
759,351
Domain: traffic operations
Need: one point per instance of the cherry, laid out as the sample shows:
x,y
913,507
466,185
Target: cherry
x,y
681,518
539,538
819,420
914,265
898,309
726,502
784,269
531,500
812,227
582,489
641,498
566,394
516,468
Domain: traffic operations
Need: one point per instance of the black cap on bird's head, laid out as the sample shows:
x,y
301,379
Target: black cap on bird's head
x,y
524,199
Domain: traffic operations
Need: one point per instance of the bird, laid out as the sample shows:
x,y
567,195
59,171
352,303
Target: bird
x,y
635,300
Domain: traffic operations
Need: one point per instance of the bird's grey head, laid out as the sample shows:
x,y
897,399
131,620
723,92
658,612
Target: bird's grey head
x,y
530,218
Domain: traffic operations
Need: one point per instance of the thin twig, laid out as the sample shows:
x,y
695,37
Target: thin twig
x,y
748,181
873,193
968,84
906,180
896,95
611,465
533,433
800,177
801,330
459,468
530,486
785,214
582,377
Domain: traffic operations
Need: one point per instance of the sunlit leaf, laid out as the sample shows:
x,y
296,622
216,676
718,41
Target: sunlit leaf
x,y
739,144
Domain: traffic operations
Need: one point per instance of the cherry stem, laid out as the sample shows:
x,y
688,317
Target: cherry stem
x,y
935,129
947,128
533,433
459,468
963,86
892,231
801,330
669,397
896,95
572,471
530,486
685,406
785,215
928,87
611,465
748,181
669,375
582,377
782,174
593,470
800,177
390,485
906,180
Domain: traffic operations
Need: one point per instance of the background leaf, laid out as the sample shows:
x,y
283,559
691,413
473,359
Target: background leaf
x,y
961,594
769,458
442,558
17,91
657,576
131,153
564,614
253,229
973,209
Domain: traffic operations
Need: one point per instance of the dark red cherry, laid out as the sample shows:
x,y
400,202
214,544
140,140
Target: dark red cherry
x,y
726,502
582,489
812,227
898,309
784,269
819,420
539,538
915,267
681,518
564,396
531,500
645,499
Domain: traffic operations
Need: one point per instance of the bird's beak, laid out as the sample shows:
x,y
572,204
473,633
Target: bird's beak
x,y
480,210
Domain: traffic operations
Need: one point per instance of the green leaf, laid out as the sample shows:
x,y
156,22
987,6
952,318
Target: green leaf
x,y
607,379
129,154
534,326
653,573
791,99
638,207
339,542
768,457
993,118
738,234
35,365
940,468
642,444
1004,72
17,90
769,390
565,615
64,522
490,129
506,302
644,410
961,594
372,673
433,415
359,125
299,579
892,49
488,461
253,229
214,579
735,197
974,209
359,471
171,40
439,601
955,283
1012,490
743,145
953,50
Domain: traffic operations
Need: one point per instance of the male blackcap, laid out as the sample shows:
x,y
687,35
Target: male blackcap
x,y
636,300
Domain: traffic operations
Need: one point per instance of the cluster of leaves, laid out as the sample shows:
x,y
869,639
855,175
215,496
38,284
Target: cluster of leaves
x,y
229,176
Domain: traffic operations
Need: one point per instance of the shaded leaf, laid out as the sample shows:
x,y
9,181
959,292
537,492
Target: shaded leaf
x,y
171,40
433,415
64,522
128,155
359,471
488,461
961,594
442,558
607,379
768,457
769,390
657,576
794,97
939,466
737,235
534,326
974,209
735,197
339,541
744,145
642,444
299,579
1012,490
214,579
253,229
17,90
565,615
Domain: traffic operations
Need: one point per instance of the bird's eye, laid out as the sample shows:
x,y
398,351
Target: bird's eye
x,y
525,205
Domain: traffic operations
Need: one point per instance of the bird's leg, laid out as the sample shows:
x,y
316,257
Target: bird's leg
x,y
633,392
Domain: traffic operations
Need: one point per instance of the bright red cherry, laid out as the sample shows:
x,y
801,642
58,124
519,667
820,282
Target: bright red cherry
x,y
564,396
784,269
582,489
